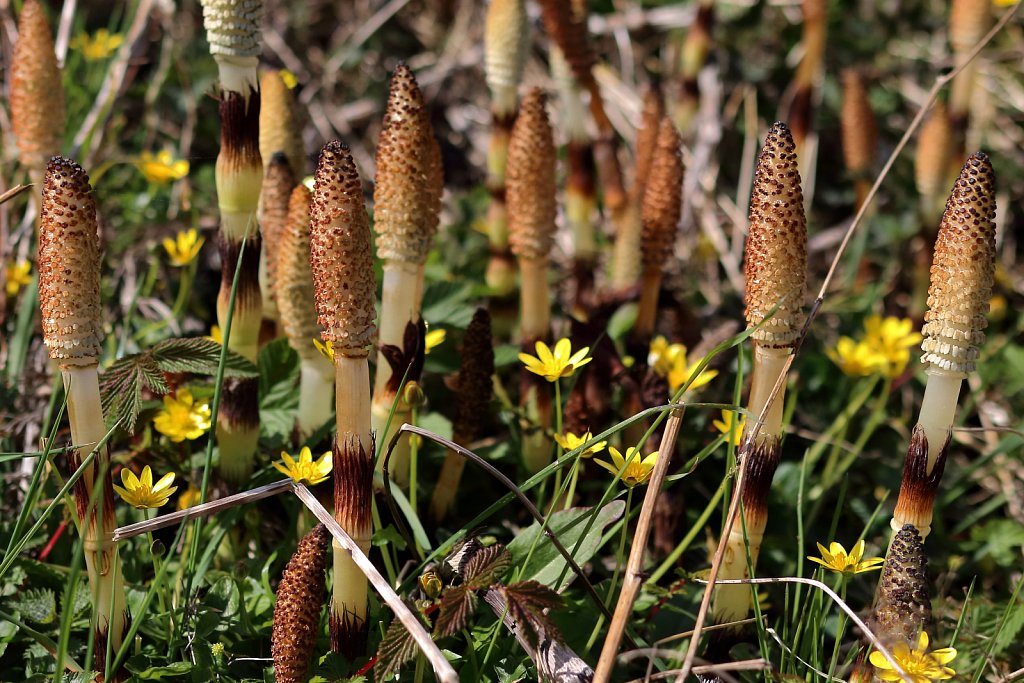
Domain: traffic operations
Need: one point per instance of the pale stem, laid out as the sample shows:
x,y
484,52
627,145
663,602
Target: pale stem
x,y
447,485
938,408
101,559
237,74
316,386
732,602
769,365
626,250
534,300
352,399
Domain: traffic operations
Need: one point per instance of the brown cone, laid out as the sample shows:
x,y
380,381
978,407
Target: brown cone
x,y
473,384
294,279
857,124
662,200
340,254
409,182
530,180
280,130
300,597
566,23
776,251
962,270
37,96
903,606
647,138
69,266
278,182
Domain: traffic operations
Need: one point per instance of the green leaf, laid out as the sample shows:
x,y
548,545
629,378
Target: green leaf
x,y
487,566
457,606
397,648
38,605
389,535
445,303
199,355
546,563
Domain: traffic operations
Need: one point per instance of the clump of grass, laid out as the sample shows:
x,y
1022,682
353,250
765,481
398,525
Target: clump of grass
x,y
407,204
36,92
341,259
69,298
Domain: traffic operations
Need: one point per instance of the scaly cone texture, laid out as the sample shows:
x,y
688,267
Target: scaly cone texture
x,y
934,151
506,39
859,132
280,130
961,285
407,205
692,56
902,604
409,181
659,212
473,387
233,32
341,259
531,200
776,251
37,96
339,250
626,250
300,596
775,266
278,181
69,298
293,284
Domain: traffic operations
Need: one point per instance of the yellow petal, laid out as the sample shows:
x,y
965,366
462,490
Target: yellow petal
x,y
147,478
164,482
128,478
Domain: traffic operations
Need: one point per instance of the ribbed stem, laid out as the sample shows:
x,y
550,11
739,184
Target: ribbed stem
x,y
769,365
534,300
103,565
316,386
647,310
501,275
353,471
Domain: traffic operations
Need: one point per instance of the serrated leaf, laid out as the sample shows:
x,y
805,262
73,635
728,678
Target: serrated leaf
x,y
199,355
1011,627
457,606
38,605
396,648
527,601
122,384
487,566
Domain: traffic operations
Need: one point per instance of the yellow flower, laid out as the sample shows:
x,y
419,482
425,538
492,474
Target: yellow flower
x,y
891,338
836,559
430,584
290,81
161,168
920,665
681,372
1004,3
637,472
189,498
571,442
19,274
856,359
660,355
182,418
305,470
184,248
216,335
141,493
99,45
554,364
434,339
325,348
731,427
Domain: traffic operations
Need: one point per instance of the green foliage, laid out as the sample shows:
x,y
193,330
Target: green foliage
x,y
121,386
